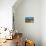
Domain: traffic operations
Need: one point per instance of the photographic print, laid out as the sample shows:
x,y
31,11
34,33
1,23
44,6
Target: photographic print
x,y
29,19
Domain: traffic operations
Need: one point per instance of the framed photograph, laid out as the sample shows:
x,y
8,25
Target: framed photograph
x,y
29,19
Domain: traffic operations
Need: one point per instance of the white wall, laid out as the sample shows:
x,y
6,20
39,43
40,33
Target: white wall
x,y
30,30
6,13
36,9
43,22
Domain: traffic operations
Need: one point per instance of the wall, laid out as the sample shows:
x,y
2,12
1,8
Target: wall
x,y
29,30
43,22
